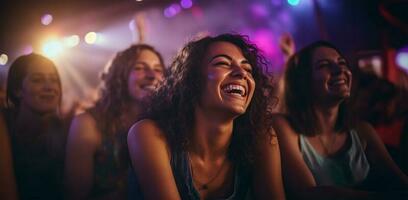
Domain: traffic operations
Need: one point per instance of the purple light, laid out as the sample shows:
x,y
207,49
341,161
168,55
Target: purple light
x,y
172,10
402,58
186,4
276,2
46,19
265,41
259,10
27,50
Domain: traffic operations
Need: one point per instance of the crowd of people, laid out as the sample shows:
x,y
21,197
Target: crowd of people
x,y
212,125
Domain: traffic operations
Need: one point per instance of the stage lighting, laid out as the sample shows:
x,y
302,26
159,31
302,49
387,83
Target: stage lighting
x,y
46,19
186,4
52,48
293,2
91,37
3,59
172,10
402,60
71,41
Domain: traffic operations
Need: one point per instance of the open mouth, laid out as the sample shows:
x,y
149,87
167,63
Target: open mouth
x,y
148,87
338,82
235,89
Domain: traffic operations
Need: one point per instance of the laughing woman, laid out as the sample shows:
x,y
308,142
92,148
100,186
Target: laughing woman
x,y
207,133
97,157
324,154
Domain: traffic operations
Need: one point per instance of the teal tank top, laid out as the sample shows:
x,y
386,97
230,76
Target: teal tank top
x,y
349,168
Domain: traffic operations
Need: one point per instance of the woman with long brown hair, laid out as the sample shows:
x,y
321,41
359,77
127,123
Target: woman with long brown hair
x,y
97,158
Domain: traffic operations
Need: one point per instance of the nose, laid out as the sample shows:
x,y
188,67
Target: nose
x,y
150,73
50,84
238,71
338,69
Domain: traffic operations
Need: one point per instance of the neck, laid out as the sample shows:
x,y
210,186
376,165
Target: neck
x,y
327,117
211,136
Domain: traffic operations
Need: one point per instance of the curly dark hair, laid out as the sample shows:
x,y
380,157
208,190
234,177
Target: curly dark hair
x,y
172,107
115,96
299,97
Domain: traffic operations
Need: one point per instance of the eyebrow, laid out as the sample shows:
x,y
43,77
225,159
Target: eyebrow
x,y
227,57
221,55
328,60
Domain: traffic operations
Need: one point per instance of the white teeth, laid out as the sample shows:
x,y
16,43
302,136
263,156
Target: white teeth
x,y
235,90
338,82
149,87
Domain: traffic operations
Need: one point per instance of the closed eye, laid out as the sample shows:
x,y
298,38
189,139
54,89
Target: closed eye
x,y
222,63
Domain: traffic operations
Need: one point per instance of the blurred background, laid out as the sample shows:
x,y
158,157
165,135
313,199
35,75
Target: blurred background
x,y
81,36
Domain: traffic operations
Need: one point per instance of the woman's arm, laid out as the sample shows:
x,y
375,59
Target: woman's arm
x,y
299,181
83,140
267,179
379,158
150,158
7,180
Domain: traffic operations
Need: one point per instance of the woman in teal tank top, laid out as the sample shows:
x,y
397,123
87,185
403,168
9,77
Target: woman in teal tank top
x,y
325,153
207,133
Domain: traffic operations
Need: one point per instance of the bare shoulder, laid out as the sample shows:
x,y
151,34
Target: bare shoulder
x,y
365,131
282,126
146,128
145,132
84,129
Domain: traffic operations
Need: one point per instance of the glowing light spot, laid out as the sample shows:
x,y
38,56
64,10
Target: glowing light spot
x,y
139,0
71,41
259,10
172,10
91,37
52,48
3,59
186,4
132,25
402,60
27,50
46,19
293,2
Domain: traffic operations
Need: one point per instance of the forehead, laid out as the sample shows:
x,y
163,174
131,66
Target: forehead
x,y
147,55
41,68
225,48
325,53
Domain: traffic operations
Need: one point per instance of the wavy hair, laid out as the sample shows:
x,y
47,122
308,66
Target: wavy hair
x,y
299,97
115,96
172,107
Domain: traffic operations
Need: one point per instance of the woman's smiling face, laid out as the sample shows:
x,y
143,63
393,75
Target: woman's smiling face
x,y
229,84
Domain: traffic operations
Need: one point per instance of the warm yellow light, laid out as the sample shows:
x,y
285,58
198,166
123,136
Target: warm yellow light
x,y
3,59
91,37
71,41
52,48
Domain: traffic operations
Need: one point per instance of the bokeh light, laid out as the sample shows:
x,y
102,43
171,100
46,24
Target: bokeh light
x,y
172,10
293,2
52,48
3,59
71,41
186,4
91,37
402,60
46,19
